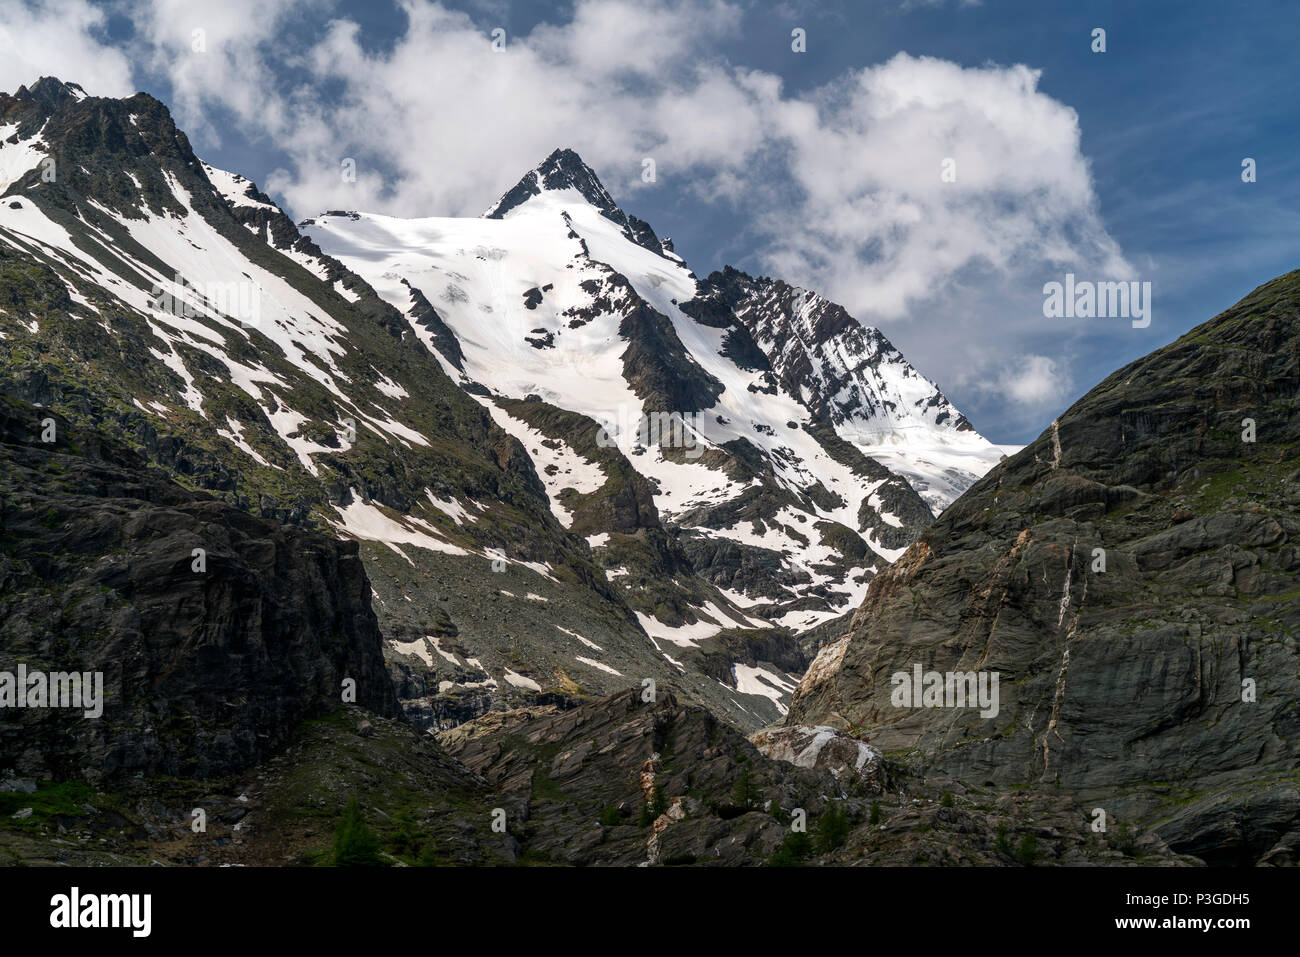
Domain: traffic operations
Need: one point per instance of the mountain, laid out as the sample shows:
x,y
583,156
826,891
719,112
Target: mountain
x,y
812,451
430,456
1131,576
569,463
224,739
137,296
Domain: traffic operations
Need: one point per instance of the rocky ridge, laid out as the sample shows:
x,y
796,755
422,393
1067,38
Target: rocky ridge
x,y
1131,575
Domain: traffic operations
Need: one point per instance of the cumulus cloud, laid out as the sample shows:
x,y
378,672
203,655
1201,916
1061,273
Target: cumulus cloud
x,y
446,121
1035,380
843,184
880,226
224,54
840,188
62,38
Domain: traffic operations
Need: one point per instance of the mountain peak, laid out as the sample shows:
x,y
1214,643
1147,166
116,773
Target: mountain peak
x,y
562,169
50,90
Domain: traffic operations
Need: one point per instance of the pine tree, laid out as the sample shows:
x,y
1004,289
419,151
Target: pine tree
x,y
745,794
659,802
355,845
832,829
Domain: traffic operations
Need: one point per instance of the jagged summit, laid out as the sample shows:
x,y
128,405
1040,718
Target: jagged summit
x,y
231,350
118,153
50,90
563,170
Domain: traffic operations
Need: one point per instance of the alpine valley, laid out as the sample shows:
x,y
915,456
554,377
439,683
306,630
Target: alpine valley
x,y
626,553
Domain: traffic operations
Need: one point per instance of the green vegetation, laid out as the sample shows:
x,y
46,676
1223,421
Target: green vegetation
x,y
1002,843
1126,840
745,794
355,845
1027,850
794,850
406,841
545,787
64,799
659,801
832,829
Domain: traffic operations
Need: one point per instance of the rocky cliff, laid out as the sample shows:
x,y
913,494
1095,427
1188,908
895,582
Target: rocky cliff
x,y
215,631
1132,577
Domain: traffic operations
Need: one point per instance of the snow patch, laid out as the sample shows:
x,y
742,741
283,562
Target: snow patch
x,y
599,666
521,681
367,521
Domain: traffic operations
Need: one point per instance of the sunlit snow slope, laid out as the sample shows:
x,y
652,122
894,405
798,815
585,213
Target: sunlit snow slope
x,y
815,451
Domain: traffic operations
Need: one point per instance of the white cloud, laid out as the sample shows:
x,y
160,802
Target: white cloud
x,y
841,185
59,38
838,188
1034,380
881,231
444,124
617,38
220,53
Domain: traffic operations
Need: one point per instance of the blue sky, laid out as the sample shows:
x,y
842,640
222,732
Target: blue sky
x,y
1123,164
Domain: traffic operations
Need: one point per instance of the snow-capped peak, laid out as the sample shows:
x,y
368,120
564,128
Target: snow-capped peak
x,y
817,453
564,175
563,169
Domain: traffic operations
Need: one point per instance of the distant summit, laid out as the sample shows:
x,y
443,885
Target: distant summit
x,y
564,170
50,91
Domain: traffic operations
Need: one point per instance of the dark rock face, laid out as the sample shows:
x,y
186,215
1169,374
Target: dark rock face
x,y
619,781
204,672
752,571
814,347
658,367
577,782
718,655
97,364
1131,576
423,314
624,505
574,785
